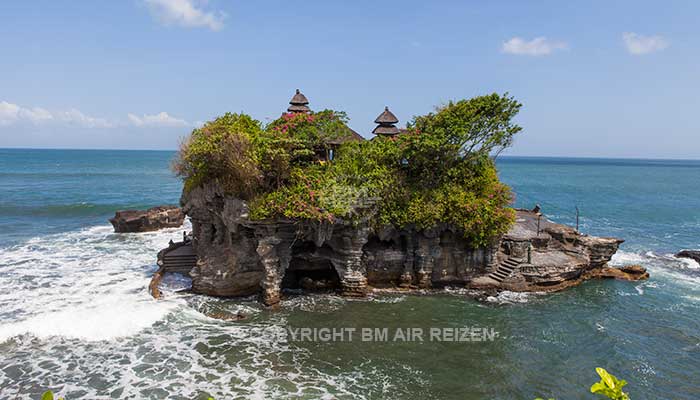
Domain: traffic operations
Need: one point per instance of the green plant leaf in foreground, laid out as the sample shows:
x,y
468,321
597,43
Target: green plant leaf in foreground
x,y
609,386
48,395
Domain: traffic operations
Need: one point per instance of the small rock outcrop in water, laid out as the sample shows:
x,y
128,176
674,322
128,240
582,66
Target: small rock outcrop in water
x,y
238,257
147,220
627,273
692,254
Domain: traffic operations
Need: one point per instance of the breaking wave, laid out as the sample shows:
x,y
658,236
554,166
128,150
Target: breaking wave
x,y
78,303
89,284
677,269
508,297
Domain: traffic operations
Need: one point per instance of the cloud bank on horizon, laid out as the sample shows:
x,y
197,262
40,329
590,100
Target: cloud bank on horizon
x,y
11,114
160,119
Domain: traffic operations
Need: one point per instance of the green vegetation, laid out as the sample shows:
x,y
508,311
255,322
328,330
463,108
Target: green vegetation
x,y
439,170
609,386
48,395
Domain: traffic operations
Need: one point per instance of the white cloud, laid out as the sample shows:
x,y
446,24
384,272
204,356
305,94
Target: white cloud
x,y
76,117
14,114
36,114
160,119
539,46
185,13
639,44
9,113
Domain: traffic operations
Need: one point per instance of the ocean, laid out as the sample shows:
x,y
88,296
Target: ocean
x,y
76,316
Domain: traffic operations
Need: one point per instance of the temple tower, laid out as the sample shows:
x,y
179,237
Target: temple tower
x,y
386,124
299,103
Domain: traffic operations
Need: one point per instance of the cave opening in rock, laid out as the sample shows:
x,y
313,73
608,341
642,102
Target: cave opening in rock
x,y
310,269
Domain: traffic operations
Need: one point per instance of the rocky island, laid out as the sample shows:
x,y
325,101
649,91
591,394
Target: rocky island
x,y
153,219
307,203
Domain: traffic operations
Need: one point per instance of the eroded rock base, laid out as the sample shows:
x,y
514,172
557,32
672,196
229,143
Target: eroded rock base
x,y
240,257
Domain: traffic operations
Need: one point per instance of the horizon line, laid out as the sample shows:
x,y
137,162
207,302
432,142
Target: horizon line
x,y
502,155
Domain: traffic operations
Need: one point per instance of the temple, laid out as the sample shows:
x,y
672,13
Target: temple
x,y
386,124
299,103
229,253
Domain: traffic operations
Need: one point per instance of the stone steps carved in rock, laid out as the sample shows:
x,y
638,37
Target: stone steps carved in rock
x,y
504,269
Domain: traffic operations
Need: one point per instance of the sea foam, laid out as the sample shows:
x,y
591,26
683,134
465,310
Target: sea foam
x,y
89,284
78,303
671,269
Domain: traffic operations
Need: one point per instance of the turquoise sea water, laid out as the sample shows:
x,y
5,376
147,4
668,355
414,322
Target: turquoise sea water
x,y
75,314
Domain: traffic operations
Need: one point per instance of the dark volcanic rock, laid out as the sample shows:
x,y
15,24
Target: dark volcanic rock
x,y
240,257
149,220
692,254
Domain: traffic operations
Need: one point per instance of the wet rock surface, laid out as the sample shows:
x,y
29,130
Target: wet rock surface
x,y
691,254
152,219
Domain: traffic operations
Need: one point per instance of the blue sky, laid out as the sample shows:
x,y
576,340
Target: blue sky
x,y
597,78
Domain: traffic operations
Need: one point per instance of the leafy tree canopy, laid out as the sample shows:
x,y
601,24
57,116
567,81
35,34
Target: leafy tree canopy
x,y
440,170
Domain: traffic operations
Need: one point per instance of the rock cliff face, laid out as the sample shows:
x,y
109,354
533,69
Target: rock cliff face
x,y
239,257
152,219
549,256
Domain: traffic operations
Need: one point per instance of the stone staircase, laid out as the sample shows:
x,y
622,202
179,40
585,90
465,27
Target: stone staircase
x,y
180,259
505,268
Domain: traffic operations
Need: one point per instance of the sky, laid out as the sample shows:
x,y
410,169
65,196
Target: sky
x,y
596,78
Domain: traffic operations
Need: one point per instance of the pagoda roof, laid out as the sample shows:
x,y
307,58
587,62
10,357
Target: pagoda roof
x,y
299,103
294,108
386,130
299,99
386,117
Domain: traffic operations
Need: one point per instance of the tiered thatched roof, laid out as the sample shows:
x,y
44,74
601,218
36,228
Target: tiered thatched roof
x,y
299,103
386,124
